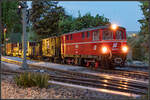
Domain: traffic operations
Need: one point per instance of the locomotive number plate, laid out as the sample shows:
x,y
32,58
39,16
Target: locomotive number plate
x,y
114,45
114,48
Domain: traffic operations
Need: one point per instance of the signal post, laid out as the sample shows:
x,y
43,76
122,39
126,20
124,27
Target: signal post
x,y
23,8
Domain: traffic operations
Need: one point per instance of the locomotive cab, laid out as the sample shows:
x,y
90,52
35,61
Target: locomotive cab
x,y
114,45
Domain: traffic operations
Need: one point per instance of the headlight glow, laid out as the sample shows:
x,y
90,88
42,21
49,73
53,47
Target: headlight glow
x,y
114,26
125,49
104,50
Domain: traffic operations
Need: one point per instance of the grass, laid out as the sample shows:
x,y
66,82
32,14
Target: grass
x,y
29,79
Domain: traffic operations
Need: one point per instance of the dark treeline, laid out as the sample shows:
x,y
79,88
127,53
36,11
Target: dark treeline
x,y
11,20
47,19
139,44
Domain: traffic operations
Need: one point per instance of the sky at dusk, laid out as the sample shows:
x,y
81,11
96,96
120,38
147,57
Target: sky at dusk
x,y
123,13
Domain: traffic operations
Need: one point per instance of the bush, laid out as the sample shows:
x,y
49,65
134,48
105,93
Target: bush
x,y
29,79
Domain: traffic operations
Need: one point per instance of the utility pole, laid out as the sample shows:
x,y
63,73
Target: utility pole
x,y
23,7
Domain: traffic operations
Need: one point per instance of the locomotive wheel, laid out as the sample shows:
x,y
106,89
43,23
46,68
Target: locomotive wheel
x,y
105,63
122,64
59,60
51,59
76,61
64,61
92,65
111,66
79,63
82,62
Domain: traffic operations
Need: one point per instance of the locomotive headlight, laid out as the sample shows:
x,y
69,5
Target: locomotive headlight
x,y
125,49
114,26
104,50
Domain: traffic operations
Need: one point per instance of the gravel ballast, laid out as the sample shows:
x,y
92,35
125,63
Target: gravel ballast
x,y
9,90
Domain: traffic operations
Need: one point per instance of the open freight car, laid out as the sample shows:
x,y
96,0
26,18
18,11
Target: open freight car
x,y
34,50
51,49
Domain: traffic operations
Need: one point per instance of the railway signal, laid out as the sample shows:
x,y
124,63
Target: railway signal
x,y
27,16
22,8
27,13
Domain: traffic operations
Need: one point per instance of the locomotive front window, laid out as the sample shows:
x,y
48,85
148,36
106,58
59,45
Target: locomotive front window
x,y
107,35
119,35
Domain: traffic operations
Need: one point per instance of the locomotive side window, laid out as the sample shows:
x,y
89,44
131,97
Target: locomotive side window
x,y
67,37
83,35
96,35
88,34
107,35
118,35
71,37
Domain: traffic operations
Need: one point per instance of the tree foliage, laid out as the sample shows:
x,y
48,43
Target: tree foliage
x,y
140,47
10,18
45,16
144,23
49,19
71,24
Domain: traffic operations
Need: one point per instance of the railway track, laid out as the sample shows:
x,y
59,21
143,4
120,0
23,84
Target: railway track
x,y
119,73
94,83
102,85
89,80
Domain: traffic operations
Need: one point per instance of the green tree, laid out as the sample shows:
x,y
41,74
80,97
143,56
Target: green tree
x,y
144,23
144,34
10,18
139,44
66,24
71,24
45,16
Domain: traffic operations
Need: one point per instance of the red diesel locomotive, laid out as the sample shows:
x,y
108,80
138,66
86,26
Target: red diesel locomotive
x,y
104,46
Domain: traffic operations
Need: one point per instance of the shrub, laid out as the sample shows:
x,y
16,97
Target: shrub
x,y
29,79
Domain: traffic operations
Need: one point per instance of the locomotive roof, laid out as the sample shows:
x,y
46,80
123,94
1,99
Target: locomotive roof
x,y
89,29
